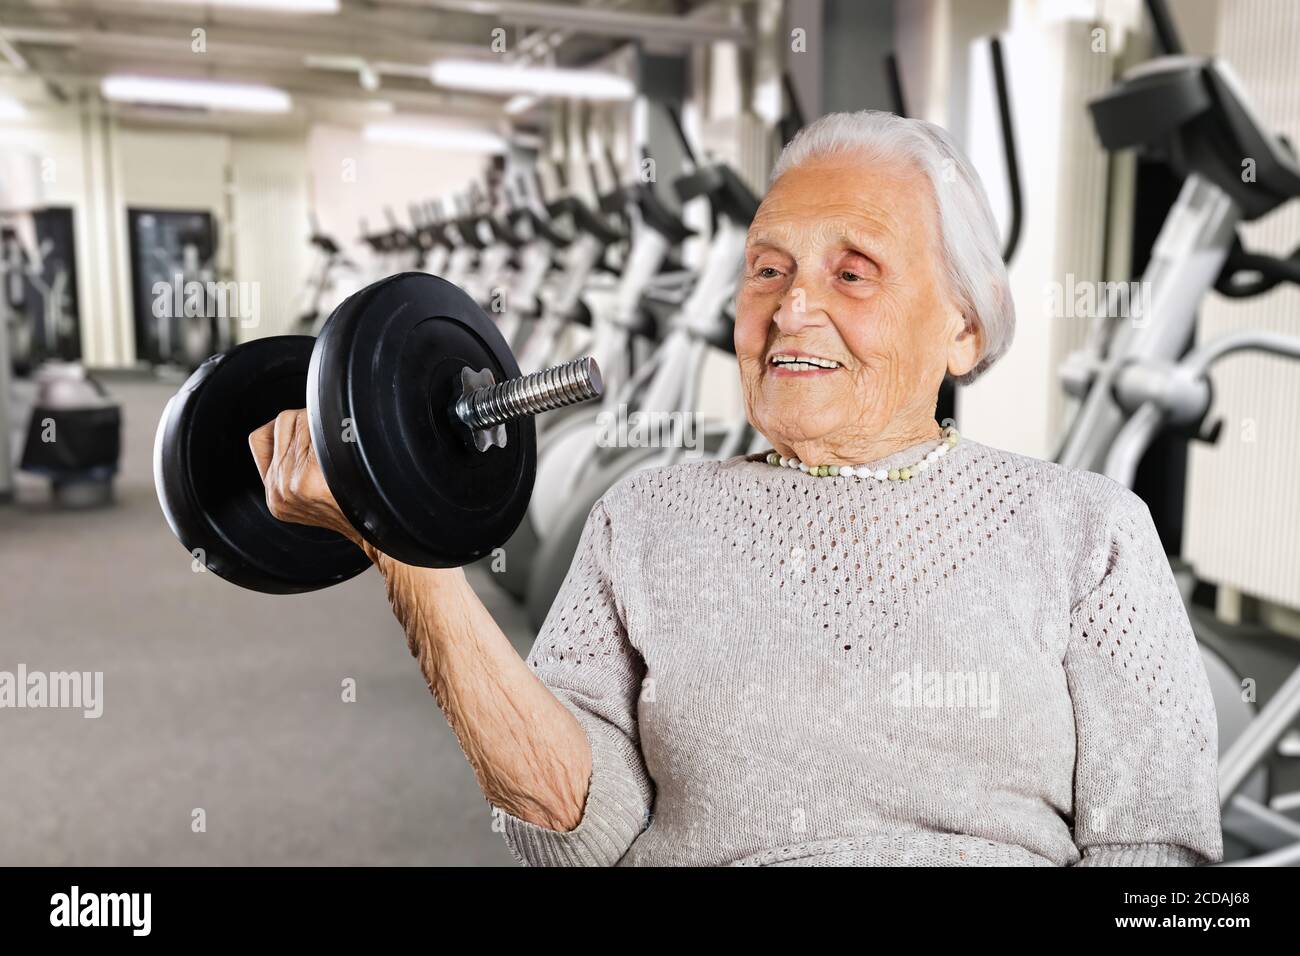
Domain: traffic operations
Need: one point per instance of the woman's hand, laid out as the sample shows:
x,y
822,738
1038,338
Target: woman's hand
x,y
295,486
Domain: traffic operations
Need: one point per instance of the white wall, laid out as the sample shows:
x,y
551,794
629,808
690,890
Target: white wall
x,y
351,179
267,230
1052,72
173,169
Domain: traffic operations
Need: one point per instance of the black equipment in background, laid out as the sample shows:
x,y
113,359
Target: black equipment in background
x,y
170,249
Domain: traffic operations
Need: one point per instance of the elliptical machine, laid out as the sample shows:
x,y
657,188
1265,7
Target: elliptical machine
x,y
1133,381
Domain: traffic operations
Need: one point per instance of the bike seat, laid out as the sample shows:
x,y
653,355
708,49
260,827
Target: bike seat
x,y
325,244
585,219
656,214
432,235
467,228
614,202
378,241
539,226
728,195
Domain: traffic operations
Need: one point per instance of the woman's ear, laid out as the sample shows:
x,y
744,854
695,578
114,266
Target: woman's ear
x,y
965,345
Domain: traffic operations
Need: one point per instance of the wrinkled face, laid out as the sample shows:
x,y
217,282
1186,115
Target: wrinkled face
x,y
844,271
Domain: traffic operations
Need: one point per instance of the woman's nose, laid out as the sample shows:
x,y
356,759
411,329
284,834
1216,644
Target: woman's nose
x,y
802,306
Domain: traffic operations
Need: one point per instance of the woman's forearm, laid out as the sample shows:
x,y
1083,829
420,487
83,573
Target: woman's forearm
x,y
530,755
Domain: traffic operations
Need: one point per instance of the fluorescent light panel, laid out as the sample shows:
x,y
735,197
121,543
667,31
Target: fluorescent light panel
x,y
244,97
504,79
434,137
277,6
520,103
11,109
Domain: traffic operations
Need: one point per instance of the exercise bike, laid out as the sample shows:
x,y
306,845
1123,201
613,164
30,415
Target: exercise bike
x,y
622,332
664,391
332,279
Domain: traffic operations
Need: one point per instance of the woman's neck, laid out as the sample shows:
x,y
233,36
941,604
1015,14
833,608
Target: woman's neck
x,y
856,450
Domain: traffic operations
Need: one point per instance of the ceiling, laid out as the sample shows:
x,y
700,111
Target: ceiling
x,y
371,56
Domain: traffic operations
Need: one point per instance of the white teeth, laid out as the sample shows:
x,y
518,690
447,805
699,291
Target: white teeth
x,y
802,363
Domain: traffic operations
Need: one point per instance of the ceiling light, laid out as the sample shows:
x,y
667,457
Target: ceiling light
x,y
434,137
277,6
505,79
195,93
11,109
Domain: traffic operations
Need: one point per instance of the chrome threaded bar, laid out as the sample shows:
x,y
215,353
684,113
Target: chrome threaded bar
x,y
567,384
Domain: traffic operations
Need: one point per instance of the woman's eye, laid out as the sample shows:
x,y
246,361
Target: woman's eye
x,y
848,276
767,272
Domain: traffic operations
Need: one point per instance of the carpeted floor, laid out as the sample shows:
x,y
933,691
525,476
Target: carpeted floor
x,y
218,699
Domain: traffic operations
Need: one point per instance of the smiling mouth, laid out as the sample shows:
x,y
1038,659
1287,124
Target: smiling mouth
x,y
789,363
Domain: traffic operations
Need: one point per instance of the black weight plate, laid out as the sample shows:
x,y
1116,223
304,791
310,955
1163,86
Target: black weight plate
x,y
207,481
384,373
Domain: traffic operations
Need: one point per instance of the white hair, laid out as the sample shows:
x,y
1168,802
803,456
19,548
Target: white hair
x,y
977,276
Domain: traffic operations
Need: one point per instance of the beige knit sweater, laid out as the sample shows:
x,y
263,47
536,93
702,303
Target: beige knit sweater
x,y
989,663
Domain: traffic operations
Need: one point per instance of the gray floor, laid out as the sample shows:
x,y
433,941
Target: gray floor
x,y
229,701
215,698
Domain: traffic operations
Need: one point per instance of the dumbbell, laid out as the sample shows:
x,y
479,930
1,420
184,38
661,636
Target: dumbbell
x,y
420,420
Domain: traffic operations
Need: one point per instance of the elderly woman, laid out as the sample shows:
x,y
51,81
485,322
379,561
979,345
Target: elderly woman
x,y
881,642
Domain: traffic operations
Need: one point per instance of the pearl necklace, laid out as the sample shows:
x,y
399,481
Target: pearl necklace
x,y
950,439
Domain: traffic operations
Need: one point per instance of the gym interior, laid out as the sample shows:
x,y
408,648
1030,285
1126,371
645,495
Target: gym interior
x,y
180,180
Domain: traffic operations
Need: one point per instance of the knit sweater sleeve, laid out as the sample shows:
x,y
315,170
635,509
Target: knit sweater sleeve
x,y
1145,787
583,655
